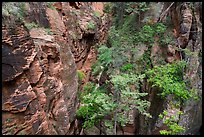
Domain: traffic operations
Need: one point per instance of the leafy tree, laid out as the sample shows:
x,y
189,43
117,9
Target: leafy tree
x,y
94,105
169,79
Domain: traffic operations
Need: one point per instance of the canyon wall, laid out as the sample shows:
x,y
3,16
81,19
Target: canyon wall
x,y
40,84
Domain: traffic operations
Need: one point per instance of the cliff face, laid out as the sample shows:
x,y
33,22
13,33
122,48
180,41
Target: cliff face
x,y
39,70
186,30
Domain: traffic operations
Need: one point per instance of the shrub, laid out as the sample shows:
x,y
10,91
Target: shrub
x,y
97,14
31,25
49,32
80,74
90,25
169,79
171,123
127,67
107,7
14,8
94,105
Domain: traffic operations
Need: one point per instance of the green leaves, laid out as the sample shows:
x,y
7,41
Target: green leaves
x,y
108,124
94,105
104,55
171,122
31,25
136,7
159,28
123,79
16,9
127,67
129,95
90,25
50,5
80,75
169,79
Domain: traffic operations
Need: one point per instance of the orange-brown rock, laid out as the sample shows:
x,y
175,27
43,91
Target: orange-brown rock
x,y
39,70
84,30
39,81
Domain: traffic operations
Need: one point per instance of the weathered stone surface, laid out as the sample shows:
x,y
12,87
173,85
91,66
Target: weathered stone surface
x,y
39,81
92,131
36,12
17,51
187,34
56,23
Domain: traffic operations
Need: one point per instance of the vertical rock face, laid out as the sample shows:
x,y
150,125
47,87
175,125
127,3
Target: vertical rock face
x,y
36,12
39,81
39,70
192,117
186,28
86,26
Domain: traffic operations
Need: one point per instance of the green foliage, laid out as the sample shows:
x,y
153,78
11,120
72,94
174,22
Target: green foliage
x,y
186,51
90,25
80,74
104,55
129,95
104,59
160,28
48,31
97,13
107,7
50,5
94,105
145,60
16,9
164,40
146,34
136,7
169,79
117,60
127,67
171,123
31,25
108,124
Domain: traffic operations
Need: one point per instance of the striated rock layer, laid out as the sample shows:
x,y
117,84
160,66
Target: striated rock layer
x,y
39,81
39,94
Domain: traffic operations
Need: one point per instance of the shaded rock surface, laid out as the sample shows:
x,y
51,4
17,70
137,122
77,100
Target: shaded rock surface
x,y
39,70
186,29
39,81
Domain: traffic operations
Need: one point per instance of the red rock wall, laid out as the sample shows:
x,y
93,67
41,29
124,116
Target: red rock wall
x,y
39,81
77,16
39,94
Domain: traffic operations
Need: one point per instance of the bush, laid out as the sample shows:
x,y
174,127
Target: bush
x,y
97,14
80,75
94,105
90,25
169,79
49,32
171,123
31,25
16,9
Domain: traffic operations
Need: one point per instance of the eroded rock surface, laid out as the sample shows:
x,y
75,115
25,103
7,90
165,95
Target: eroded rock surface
x,y
39,82
39,70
